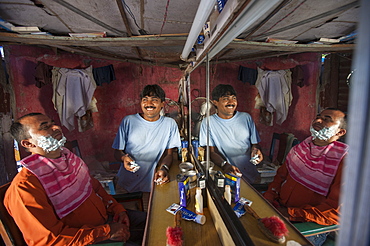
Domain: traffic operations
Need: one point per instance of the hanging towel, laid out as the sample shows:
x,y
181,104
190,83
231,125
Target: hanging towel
x,y
274,88
104,74
43,74
298,76
247,75
73,92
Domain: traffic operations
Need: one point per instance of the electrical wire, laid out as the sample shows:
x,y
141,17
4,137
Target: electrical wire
x,y
141,31
165,17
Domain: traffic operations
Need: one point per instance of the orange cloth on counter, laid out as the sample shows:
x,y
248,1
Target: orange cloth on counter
x,y
32,210
303,204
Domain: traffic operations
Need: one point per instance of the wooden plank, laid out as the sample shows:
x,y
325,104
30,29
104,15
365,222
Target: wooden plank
x,y
264,209
150,40
214,231
4,234
252,45
220,226
159,219
155,40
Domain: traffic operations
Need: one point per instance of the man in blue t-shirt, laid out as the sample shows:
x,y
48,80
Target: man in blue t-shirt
x,y
146,138
233,137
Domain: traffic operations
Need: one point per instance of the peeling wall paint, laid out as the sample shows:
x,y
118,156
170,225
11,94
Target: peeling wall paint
x,y
121,97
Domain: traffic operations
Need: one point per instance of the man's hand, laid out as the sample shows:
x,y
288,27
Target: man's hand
x,y
256,151
126,163
228,168
119,232
161,176
122,218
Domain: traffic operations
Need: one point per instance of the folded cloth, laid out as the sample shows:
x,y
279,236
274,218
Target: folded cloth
x,y
66,180
315,166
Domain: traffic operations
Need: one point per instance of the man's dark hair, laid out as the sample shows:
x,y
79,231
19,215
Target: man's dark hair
x,y
342,120
153,90
222,90
20,131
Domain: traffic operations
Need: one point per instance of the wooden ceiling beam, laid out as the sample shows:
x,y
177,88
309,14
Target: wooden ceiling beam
x,y
104,55
127,25
124,17
149,40
262,46
256,56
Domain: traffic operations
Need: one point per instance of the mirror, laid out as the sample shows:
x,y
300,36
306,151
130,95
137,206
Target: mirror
x,y
200,107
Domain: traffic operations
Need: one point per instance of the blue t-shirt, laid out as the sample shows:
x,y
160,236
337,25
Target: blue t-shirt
x,y
233,138
145,141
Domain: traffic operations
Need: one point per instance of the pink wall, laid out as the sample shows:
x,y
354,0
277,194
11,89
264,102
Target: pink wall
x,y
121,97
303,106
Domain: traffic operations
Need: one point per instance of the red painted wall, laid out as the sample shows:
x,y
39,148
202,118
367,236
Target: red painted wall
x,y
121,97
303,107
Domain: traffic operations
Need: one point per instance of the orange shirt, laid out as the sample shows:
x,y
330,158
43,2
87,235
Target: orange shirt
x,y
303,204
28,204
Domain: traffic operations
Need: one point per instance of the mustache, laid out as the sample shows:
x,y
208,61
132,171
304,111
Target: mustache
x,y
317,124
230,105
57,133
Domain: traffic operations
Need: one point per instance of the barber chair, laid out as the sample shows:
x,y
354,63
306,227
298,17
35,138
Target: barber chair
x,y
73,146
281,143
9,230
286,142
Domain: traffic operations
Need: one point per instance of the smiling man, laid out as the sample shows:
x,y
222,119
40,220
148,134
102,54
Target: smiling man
x,y
233,138
306,187
142,139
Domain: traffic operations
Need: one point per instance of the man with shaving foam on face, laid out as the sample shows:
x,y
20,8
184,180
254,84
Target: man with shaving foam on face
x,y
55,201
306,187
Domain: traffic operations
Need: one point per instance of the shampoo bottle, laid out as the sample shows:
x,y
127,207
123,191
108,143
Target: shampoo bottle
x,y
227,194
198,201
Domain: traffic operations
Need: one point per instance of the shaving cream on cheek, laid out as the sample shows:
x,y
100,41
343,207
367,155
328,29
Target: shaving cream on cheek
x,y
49,143
323,134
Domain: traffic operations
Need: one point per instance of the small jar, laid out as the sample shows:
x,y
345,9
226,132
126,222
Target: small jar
x,y
185,166
192,178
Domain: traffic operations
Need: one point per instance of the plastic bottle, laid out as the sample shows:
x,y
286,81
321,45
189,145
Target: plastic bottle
x,y
198,201
227,194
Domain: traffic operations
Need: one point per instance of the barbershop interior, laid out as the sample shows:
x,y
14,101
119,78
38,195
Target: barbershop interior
x,y
297,71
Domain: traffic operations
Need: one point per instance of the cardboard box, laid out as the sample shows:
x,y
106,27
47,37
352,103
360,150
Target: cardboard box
x,y
184,191
108,186
234,183
107,182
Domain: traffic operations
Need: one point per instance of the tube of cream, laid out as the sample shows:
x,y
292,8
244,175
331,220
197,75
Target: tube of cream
x,y
186,214
239,206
